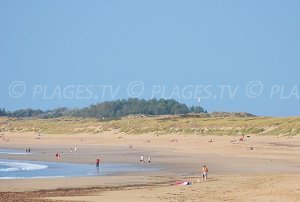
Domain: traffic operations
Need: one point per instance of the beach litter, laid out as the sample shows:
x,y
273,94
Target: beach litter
x,y
183,183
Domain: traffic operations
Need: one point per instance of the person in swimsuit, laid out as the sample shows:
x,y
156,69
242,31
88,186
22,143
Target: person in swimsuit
x,y
204,173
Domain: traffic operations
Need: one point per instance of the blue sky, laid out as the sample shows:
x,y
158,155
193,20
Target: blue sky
x,y
233,55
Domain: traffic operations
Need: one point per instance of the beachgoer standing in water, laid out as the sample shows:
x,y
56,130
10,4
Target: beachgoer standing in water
x,y
97,162
204,173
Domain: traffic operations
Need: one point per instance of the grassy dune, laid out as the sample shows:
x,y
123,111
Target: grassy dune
x,y
158,125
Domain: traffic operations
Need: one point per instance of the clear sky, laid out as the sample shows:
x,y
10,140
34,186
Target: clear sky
x,y
229,55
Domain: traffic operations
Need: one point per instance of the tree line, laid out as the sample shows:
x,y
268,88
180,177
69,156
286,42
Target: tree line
x,y
112,109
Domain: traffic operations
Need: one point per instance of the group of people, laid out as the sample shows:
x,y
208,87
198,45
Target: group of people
x,y
242,138
58,155
27,150
73,149
142,160
204,169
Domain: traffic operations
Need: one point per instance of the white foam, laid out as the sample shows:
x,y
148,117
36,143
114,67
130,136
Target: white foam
x,y
17,153
36,177
15,166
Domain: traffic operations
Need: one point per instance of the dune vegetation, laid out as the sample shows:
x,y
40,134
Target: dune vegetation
x,y
198,125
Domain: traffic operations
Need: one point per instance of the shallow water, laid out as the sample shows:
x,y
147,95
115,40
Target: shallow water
x,y
13,152
16,169
22,169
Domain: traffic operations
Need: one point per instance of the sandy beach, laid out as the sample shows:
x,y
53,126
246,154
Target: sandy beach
x,y
149,101
260,168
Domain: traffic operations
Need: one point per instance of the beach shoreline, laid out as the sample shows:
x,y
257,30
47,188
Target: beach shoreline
x,y
179,157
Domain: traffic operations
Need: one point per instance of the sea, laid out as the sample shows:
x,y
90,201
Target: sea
x,y
23,169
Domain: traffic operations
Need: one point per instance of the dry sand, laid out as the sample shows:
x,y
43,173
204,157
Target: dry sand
x,y
258,169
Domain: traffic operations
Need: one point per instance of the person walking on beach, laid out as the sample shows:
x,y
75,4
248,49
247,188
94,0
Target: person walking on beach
x,y
97,162
204,173
142,159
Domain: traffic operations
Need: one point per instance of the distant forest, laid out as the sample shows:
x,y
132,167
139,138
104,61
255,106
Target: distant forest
x,y
112,109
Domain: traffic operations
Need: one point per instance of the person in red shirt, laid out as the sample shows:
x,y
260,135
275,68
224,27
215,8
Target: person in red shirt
x,y
97,162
